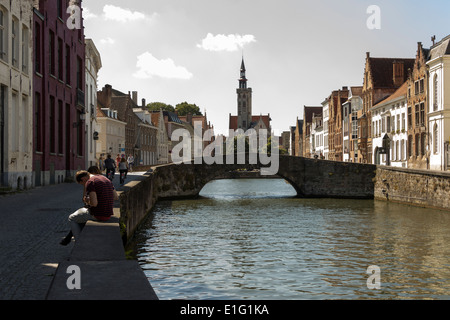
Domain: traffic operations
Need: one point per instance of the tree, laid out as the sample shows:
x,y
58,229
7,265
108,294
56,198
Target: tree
x,y
184,108
156,106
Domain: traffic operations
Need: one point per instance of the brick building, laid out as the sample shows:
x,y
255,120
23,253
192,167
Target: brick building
x,y
59,97
382,77
418,110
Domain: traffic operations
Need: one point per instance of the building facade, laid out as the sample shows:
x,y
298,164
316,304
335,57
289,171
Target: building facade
x,y
111,133
350,124
59,91
418,153
382,77
389,125
439,105
16,94
93,64
308,115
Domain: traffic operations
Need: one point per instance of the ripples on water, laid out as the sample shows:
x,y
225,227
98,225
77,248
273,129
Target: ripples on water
x,y
251,239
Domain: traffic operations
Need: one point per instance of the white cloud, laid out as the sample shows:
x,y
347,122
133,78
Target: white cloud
x,y
87,14
221,42
107,40
121,15
149,66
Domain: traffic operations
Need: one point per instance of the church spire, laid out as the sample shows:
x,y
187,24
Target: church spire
x,y
243,79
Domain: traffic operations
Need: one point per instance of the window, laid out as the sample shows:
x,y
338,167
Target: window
x,y
417,114
417,145
421,86
403,122
25,118
59,8
52,125
422,114
60,59
3,33
60,127
15,122
15,42
423,143
79,73
435,139
68,64
37,123
397,150
80,129
51,55
37,47
402,150
435,93
409,117
416,88
25,40
410,145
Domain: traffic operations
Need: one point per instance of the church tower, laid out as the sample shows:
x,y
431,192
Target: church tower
x,y
244,101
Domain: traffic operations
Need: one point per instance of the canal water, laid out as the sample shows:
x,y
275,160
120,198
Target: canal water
x,y
252,239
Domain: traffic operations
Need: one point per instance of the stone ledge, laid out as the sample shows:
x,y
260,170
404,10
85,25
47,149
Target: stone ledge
x,y
105,273
103,280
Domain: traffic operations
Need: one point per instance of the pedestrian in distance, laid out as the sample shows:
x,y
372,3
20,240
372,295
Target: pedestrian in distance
x,y
99,202
110,166
118,158
123,170
130,161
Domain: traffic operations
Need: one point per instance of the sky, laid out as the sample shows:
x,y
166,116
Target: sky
x,y
296,52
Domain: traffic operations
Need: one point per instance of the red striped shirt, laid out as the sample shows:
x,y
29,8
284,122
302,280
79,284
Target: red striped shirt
x,y
104,189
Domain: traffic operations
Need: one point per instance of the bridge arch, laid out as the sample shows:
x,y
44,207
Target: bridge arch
x,y
309,177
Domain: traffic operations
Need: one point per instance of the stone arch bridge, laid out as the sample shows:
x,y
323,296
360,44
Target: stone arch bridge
x,y
309,177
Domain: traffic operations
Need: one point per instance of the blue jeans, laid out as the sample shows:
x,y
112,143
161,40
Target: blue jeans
x,y
78,219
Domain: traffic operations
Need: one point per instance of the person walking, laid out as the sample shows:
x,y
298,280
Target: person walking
x,y
110,166
118,158
123,170
130,161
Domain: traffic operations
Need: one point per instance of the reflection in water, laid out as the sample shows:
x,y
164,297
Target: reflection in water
x,y
251,239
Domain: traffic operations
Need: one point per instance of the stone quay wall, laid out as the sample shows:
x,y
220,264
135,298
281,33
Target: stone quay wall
x,y
411,186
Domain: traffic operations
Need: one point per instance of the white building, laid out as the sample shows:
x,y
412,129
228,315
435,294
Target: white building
x,y
316,137
93,65
16,98
389,121
350,124
111,133
439,105
325,115
147,139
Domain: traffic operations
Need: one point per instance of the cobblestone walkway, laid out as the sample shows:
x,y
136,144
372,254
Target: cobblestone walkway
x,y
31,225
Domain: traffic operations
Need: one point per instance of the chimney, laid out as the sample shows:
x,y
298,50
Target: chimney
x,y
398,73
189,118
107,94
367,55
143,103
135,97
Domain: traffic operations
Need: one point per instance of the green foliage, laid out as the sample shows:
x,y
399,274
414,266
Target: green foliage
x,y
184,108
156,106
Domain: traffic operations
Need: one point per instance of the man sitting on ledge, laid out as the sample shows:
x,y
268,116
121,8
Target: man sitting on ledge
x,y
99,198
